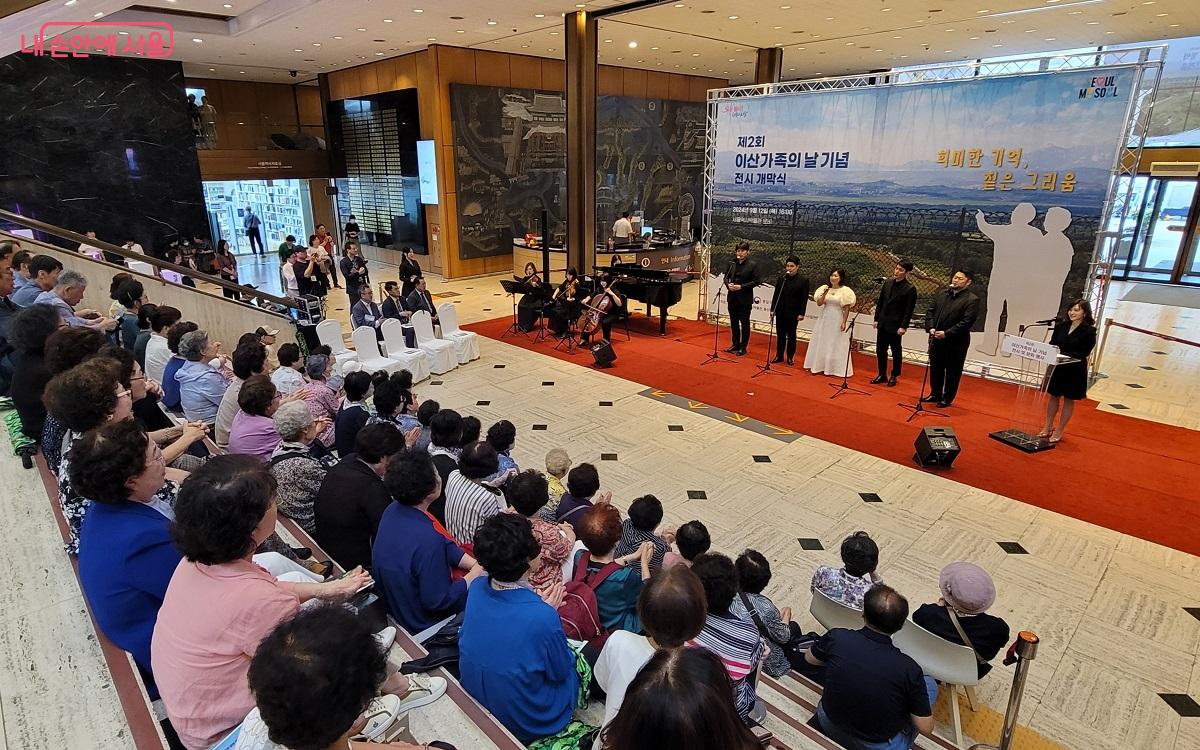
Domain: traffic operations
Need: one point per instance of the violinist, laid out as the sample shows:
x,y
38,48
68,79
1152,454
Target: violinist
x,y
565,305
532,302
600,311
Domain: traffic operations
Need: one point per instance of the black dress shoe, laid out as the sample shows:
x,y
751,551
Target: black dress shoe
x,y
943,404
732,349
789,361
932,399
892,382
878,379
777,360
740,352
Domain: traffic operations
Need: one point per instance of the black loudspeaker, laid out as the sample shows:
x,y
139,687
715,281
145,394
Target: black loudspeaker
x,y
936,446
603,353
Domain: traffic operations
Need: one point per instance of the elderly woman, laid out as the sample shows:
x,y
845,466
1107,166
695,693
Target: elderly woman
x,y
220,604
253,432
960,614
201,386
394,402
126,556
619,584
296,469
30,329
322,398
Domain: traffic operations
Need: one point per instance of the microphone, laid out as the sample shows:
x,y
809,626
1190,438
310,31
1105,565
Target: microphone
x,y
879,279
1047,322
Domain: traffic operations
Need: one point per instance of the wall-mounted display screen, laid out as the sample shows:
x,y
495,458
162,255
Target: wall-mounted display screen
x,y
427,169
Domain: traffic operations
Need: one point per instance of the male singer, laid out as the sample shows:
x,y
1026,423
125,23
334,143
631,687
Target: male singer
x,y
788,305
893,311
740,279
948,324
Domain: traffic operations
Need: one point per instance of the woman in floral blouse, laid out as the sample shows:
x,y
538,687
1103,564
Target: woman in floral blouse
x,y
849,583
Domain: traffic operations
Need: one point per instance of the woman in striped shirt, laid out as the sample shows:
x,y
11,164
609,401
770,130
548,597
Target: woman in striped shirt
x,y
734,640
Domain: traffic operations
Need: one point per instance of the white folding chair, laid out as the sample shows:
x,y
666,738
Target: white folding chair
x,y
369,358
329,333
441,352
466,343
414,360
833,614
951,664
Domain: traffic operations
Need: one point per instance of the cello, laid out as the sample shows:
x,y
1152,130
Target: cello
x,y
597,307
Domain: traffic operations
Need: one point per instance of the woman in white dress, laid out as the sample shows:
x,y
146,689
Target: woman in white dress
x,y
831,335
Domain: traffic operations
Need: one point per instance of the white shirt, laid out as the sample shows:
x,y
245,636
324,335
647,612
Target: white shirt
x,y
157,356
134,248
623,656
287,380
289,278
227,411
622,228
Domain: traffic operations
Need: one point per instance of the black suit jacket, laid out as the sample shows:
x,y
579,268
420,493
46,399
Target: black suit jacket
x,y
414,302
347,510
1078,344
745,274
791,296
392,308
894,308
953,314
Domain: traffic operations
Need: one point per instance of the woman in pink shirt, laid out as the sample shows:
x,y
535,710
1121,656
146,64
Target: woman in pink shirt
x,y
220,604
323,399
253,432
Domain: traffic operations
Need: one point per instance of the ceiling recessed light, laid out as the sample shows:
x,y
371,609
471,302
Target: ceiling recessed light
x,y
387,20
198,40
69,2
492,23
337,37
785,7
360,29
1110,32
212,70
297,50
731,60
633,45
733,18
896,37
431,39
1093,23
997,45
418,10
829,18
539,15
243,73
460,31
1051,39
679,5
695,54
226,5
654,48
379,54
1161,15
974,37
97,15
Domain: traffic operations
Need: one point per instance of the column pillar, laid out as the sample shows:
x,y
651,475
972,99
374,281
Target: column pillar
x,y
580,89
768,67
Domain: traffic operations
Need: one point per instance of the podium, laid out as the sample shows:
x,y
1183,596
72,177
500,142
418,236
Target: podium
x,y
1028,417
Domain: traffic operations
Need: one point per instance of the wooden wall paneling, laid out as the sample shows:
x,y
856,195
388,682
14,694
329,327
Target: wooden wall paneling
x,y
385,74
700,87
339,84
1151,155
524,72
445,167
429,100
276,107
492,68
609,81
405,76
658,85
454,65
436,258
308,104
554,75
452,265
679,88
368,80
634,83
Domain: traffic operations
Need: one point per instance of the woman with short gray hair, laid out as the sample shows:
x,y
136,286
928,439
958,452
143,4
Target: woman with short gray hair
x,y
323,399
297,470
201,386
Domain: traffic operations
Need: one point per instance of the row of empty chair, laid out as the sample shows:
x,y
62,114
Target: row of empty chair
x,y
437,351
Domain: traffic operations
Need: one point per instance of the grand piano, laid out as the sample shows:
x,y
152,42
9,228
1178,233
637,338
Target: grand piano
x,y
656,288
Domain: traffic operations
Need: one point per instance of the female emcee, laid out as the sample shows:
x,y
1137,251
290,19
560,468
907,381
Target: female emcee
x,y
1075,336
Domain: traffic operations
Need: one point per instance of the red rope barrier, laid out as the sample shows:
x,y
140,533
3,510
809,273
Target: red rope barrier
x,y
1152,333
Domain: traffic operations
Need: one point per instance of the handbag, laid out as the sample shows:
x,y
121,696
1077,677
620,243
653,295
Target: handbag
x,y
794,647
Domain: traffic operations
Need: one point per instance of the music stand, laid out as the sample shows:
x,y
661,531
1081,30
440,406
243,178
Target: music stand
x,y
513,288
844,386
715,357
765,367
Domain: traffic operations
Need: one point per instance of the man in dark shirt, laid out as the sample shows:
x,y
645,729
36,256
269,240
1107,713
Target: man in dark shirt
x,y
353,497
740,279
948,324
893,311
420,299
873,693
583,484
788,305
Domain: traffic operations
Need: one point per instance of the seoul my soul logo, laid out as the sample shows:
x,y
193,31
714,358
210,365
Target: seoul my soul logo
x,y
1100,87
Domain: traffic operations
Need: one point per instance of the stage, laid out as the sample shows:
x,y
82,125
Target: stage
x,y
1125,474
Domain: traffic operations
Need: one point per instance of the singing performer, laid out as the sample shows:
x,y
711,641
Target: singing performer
x,y
893,311
830,343
607,305
788,305
948,324
530,306
1075,336
740,279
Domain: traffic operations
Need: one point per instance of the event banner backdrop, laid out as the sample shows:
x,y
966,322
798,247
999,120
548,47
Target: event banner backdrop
x,y
1005,176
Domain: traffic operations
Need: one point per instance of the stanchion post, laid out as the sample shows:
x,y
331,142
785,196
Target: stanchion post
x,y
1027,643
1100,352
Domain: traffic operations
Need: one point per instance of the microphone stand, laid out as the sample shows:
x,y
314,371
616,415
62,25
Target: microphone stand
x,y
919,407
844,386
715,356
765,367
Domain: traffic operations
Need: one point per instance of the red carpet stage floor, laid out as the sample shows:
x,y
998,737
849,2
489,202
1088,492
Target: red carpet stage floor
x,y
1129,475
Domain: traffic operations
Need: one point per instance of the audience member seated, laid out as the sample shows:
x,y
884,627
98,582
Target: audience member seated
x,y
672,609
470,431
411,559
115,307
679,701
220,604
469,500
43,276
68,293
425,414
864,669
850,583
583,490
599,529
158,353
734,640
513,655
28,333
394,401
170,384
321,395
354,412
131,295
691,540
126,556
296,468
503,436
201,385
253,430
558,463
967,592
445,430
645,514
527,494
353,497
248,359
314,680
65,348
288,377
145,312
754,573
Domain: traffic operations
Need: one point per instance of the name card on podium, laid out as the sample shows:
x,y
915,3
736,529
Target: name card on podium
x,y
1035,351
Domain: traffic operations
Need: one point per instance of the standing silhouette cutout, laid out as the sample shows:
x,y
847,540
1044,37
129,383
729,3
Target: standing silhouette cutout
x,y
1016,248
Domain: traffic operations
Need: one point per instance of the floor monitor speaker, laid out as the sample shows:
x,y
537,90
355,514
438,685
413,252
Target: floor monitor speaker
x,y
936,446
603,354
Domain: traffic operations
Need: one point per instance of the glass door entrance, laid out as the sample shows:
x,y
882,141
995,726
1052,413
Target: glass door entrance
x,y
1164,242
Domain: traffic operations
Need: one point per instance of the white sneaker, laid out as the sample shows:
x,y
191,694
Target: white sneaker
x,y
381,715
385,638
422,690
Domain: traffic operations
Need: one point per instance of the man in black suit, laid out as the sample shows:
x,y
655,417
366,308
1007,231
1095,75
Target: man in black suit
x,y
393,303
366,313
740,279
420,299
893,311
948,324
788,305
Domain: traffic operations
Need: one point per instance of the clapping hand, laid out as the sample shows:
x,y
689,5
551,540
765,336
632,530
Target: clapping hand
x,y
553,594
785,614
604,498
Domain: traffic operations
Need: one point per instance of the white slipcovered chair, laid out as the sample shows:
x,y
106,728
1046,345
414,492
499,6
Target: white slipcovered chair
x,y
466,343
833,614
440,351
951,664
329,333
369,358
414,360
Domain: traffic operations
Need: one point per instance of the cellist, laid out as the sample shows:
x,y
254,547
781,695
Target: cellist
x,y
601,310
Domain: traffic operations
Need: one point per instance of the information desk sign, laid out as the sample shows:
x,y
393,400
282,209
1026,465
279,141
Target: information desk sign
x,y
1037,362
